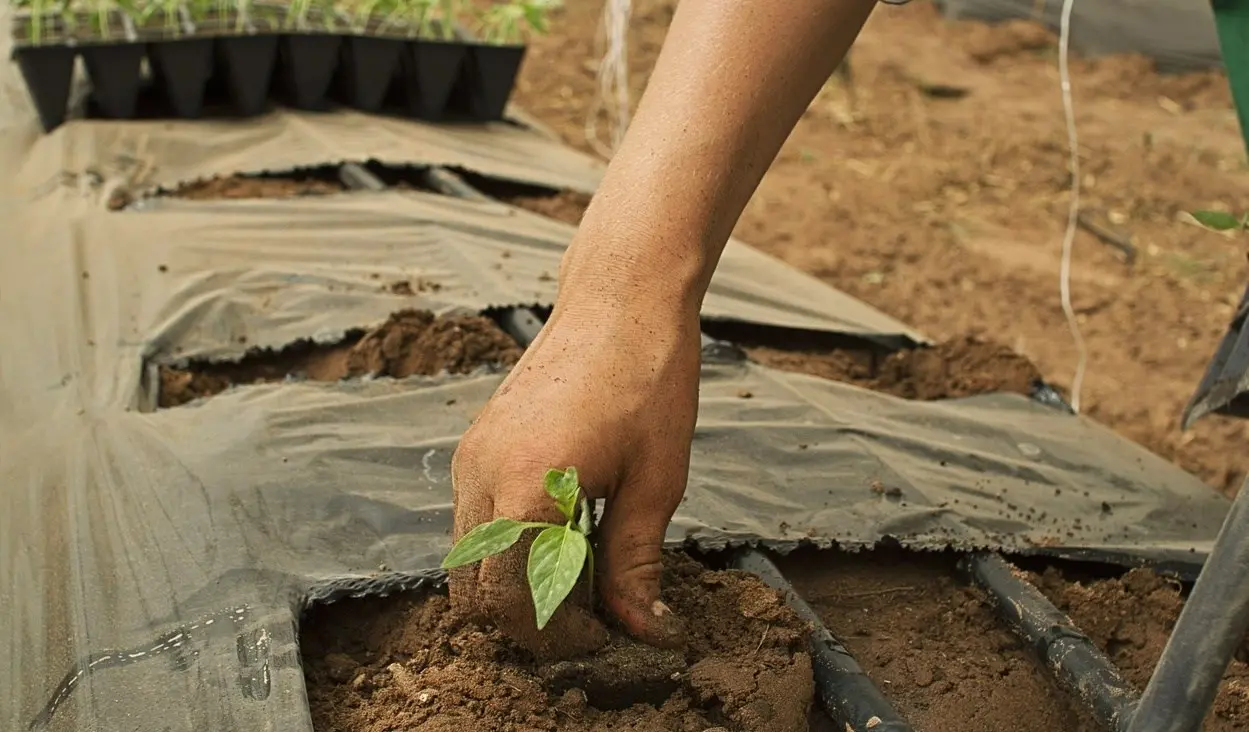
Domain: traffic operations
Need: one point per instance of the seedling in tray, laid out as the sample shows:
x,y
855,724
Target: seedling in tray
x,y
558,553
494,63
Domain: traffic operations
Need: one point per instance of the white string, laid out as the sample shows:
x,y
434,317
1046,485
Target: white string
x,y
612,99
1064,275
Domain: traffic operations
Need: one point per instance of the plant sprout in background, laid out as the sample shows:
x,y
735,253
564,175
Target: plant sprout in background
x,y
558,553
501,24
1222,220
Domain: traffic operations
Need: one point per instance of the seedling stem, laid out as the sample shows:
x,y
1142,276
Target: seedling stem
x,y
558,554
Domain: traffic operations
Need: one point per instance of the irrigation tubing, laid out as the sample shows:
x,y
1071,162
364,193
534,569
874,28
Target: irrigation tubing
x,y
1070,655
848,695
1209,630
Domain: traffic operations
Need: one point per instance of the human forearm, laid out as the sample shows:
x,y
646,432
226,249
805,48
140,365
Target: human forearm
x,y
730,84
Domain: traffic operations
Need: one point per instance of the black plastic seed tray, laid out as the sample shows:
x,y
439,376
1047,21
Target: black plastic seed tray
x,y
221,69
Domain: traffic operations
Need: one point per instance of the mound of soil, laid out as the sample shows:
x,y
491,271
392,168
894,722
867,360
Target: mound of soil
x,y
410,342
963,367
1131,618
413,663
236,187
932,644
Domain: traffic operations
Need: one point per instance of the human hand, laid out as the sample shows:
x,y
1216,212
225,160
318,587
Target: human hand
x,y
616,396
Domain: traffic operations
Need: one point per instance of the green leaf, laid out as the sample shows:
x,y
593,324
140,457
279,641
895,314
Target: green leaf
x,y
583,521
486,540
555,562
1218,220
536,18
562,485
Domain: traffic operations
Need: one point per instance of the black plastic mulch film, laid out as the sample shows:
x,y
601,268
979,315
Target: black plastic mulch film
x,y
184,545
227,67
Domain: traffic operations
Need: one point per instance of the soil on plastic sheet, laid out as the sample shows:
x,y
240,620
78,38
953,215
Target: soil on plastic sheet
x,y
961,368
413,663
237,187
934,185
409,343
1131,618
931,643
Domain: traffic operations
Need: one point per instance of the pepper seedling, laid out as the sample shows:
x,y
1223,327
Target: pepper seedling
x,y
558,553
1222,220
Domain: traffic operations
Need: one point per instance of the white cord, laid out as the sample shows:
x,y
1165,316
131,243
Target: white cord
x,y
1073,213
612,48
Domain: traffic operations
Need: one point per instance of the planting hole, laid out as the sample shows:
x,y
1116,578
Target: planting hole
x,y
409,343
307,182
411,662
566,206
961,367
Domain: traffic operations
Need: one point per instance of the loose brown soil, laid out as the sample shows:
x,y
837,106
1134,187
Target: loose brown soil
x,y
1131,619
932,644
237,187
566,206
409,343
413,663
961,368
934,186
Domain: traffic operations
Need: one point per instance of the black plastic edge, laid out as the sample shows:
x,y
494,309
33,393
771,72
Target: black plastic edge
x,y
1067,652
844,689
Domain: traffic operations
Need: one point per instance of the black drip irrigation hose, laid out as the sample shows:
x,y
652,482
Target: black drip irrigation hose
x,y
846,692
1068,653
1210,628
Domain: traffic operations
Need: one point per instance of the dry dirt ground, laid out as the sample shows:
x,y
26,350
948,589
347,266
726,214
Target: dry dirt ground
x,y
935,187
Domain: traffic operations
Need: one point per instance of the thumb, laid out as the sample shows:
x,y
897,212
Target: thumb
x,y
631,544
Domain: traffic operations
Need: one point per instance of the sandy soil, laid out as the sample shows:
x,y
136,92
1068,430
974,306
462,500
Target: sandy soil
x,y
935,187
410,342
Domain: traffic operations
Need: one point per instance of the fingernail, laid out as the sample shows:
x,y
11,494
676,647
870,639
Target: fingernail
x,y
659,609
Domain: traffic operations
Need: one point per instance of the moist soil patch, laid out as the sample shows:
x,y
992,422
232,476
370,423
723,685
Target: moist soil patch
x,y
1130,618
411,662
409,343
962,367
931,643
237,187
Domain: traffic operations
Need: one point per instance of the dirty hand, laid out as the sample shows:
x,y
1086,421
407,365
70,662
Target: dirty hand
x,y
614,394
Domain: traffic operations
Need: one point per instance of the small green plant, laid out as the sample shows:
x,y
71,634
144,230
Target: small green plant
x,y
502,23
558,553
1222,220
